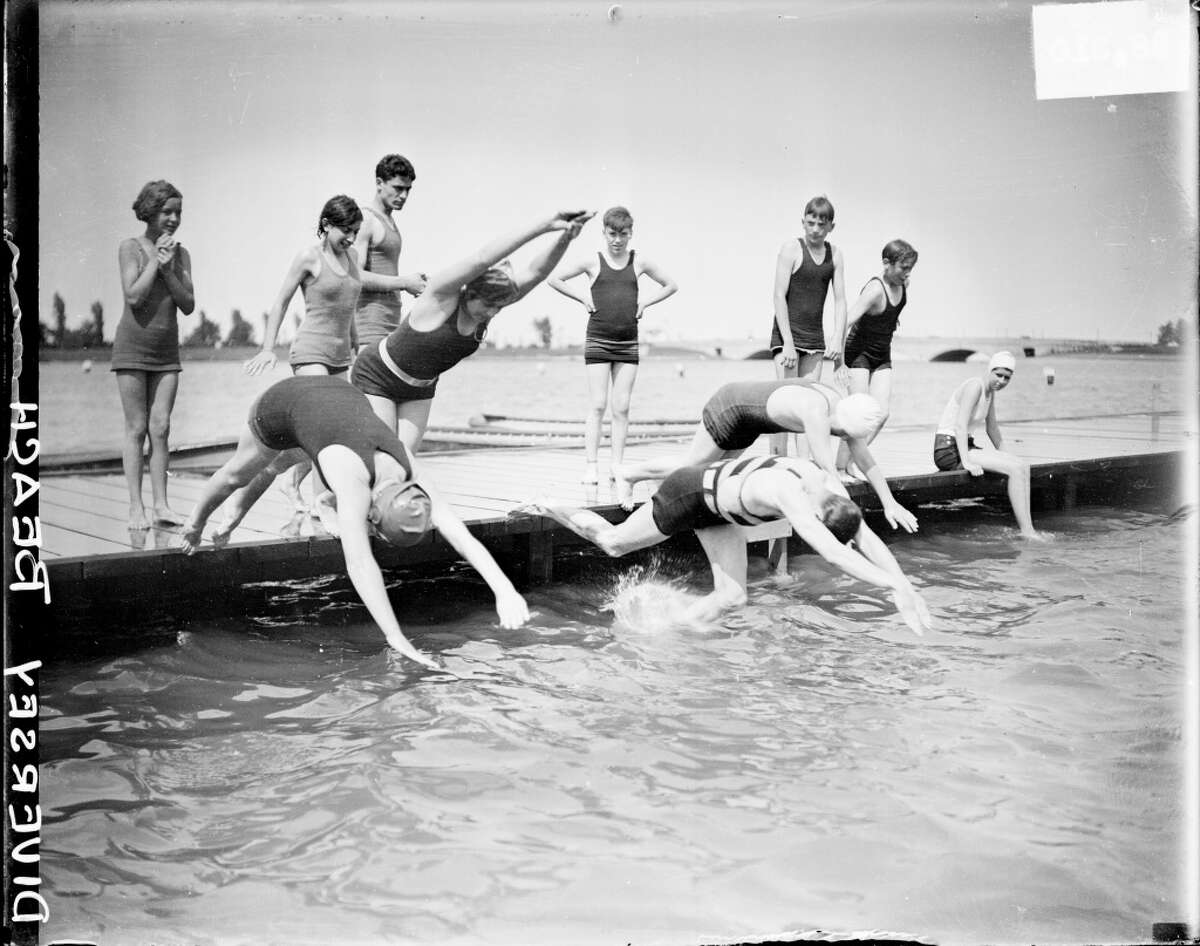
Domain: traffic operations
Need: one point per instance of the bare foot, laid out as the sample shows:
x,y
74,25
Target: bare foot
x,y
531,507
624,489
164,515
138,518
1034,536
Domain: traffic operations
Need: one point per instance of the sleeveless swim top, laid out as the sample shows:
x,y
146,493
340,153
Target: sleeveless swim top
x,y
715,472
379,310
807,289
425,355
147,337
949,421
314,411
329,302
872,331
615,296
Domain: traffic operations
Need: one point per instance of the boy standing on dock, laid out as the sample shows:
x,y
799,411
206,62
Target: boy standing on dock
x,y
615,308
378,247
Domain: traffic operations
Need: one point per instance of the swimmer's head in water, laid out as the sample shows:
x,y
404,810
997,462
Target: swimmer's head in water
x,y
841,517
857,415
495,286
400,512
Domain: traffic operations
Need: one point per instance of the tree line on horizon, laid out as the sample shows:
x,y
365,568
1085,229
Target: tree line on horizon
x,y
90,334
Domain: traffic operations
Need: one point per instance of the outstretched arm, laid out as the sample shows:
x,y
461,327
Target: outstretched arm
x,y
440,299
306,262
510,606
543,264
353,501
896,515
800,514
668,286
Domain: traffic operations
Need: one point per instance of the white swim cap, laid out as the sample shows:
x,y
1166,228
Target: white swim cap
x,y
401,513
1002,359
857,415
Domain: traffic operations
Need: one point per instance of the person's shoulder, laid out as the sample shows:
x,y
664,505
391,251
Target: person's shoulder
x,y
790,247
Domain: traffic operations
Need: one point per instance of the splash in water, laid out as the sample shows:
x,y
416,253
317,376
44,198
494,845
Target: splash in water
x,y
644,600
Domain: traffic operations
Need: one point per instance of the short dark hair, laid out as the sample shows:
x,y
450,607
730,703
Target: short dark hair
x,y
841,517
618,218
340,211
394,165
820,206
151,198
899,251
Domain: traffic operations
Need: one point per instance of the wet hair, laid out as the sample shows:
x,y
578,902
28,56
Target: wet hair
x,y
341,212
495,285
618,218
394,165
401,513
841,517
899,251
820,206
151,198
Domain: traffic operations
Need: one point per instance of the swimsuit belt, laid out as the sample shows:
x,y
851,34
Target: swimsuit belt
x,y
400,372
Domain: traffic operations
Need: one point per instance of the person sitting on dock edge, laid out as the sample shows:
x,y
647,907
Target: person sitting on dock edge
x,y
739,412
374,488
972,405
714,499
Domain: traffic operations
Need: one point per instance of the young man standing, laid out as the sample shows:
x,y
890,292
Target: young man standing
x,y
378,246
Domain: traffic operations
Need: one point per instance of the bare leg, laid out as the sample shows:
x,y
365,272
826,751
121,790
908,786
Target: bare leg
x,y
598,377
1017,471
636,532
292,486
881,390
250,458
702,450
131,385
242,500
779,442
623,377
161,387
412,419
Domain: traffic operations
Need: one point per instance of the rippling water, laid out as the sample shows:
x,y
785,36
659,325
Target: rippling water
x,y
603,777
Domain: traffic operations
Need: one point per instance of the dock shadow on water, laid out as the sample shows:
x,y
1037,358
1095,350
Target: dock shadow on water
x,y
606,775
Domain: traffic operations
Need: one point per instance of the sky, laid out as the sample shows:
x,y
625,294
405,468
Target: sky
x,y
713,122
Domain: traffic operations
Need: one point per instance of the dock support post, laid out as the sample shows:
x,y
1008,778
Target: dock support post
x,y
539,558
1068,494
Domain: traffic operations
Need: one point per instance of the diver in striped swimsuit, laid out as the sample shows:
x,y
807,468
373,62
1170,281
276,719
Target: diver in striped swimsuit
x,y
741,411
715,499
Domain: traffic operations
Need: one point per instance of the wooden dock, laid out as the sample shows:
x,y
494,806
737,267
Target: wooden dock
x,y
92,556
